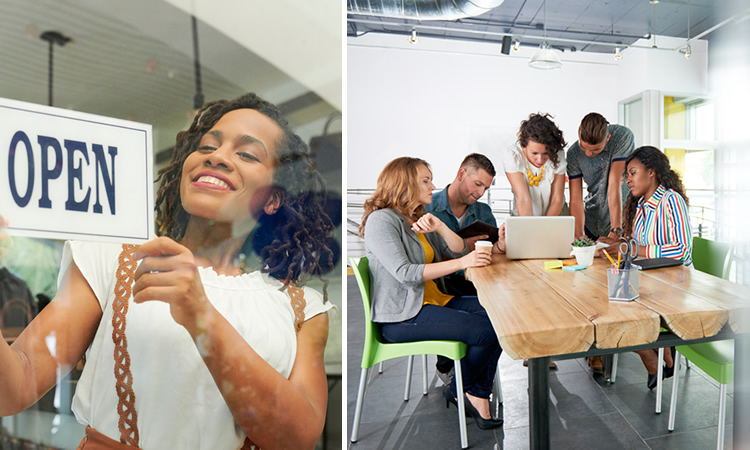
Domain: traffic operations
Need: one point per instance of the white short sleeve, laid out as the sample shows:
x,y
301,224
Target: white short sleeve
x,y
513,159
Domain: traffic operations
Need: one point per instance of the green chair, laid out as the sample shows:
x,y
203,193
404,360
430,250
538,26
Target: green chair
x,y
716,359
377,350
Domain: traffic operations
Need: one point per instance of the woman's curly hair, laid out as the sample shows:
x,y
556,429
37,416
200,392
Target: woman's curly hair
x,y
540,128
654,159
296,242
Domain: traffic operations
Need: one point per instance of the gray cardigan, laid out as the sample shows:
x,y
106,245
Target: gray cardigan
x,y
396,264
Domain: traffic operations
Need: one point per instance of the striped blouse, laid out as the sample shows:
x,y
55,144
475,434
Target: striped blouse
x,y
662,225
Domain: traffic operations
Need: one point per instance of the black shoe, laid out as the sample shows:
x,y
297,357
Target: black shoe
x,y
482,423
449,398
667,372
651,383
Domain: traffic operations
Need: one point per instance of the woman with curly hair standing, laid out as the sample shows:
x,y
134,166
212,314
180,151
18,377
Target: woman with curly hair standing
x,y
213,344
535,168
656,216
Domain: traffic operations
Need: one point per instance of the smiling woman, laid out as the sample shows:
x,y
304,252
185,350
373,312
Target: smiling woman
x,y
241,211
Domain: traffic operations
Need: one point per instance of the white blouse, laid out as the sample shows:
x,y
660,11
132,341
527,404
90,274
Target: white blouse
x,y
514,160
177,401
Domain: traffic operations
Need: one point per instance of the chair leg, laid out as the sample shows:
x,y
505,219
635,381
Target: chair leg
x,y
360,400
380,367
409,368
722,416
424,374
675,385
461,406
659,383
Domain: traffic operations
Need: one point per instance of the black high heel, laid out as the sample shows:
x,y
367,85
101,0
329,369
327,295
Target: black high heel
x,y
651,382
449,398
482,423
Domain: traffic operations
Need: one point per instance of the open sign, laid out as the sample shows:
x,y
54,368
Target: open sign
x,y
71,175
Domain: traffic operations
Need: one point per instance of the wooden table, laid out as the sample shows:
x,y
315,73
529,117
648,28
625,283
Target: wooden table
x,y
538,314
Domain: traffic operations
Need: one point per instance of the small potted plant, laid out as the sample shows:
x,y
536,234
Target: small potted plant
x,y
583,250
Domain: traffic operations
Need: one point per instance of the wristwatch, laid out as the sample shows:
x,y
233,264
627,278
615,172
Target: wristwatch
x,y
617,231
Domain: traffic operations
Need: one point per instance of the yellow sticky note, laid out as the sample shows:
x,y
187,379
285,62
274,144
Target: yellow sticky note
x,y
552,264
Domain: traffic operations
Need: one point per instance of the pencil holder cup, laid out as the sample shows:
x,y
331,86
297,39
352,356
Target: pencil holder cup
x,y
622,284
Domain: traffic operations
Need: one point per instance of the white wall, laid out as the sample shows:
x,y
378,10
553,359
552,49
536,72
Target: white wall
x,y
668,71
440,100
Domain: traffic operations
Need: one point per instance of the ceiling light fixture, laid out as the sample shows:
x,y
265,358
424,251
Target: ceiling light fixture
x,y
687,47
545,58
516,45
617,56
54,38
687,51
654,2
413,38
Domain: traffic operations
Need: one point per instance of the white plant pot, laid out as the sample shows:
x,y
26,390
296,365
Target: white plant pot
x,y
584,255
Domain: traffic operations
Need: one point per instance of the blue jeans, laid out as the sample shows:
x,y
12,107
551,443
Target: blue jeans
x,y
463,319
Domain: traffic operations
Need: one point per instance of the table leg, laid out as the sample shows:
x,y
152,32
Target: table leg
x,y
607,363
539,403
741,435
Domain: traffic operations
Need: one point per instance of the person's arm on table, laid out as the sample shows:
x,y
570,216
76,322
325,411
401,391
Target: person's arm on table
x,y
557,196
614,195
520,188
678,224
576,204
429,223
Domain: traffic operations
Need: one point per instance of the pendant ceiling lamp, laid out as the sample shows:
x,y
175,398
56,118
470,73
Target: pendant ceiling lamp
x,y
545,58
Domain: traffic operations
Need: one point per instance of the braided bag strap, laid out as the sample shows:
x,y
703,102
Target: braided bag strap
x,y
298,304
128,423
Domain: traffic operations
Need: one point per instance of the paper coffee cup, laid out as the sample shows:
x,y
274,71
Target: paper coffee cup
x,y
483,246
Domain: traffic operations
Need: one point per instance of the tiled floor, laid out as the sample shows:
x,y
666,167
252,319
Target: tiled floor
x,y
585,411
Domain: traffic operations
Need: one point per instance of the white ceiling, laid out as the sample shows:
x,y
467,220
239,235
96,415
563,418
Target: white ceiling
x,y
595,22
134,60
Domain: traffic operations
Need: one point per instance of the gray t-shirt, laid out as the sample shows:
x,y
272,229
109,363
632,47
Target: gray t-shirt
x,y
595,173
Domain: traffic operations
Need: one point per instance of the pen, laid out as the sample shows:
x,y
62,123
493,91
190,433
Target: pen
x,y
618,259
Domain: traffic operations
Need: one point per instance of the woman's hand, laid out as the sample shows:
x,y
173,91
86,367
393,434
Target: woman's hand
x,y
427,223
476,259
613,246
168,273
499,246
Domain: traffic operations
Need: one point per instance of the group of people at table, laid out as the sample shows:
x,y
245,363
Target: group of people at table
x,y
416,259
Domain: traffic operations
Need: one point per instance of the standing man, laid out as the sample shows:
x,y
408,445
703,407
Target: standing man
x,y
457,206
598,158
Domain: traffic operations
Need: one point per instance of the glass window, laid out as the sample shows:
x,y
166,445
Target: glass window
x,y
157,63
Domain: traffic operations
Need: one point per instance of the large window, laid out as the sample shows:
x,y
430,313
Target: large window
x,y
689,142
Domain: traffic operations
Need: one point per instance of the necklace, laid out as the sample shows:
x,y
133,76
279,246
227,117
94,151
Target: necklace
x,y
534,180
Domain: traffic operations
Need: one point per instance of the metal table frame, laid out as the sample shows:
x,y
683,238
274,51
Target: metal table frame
x,y
539,437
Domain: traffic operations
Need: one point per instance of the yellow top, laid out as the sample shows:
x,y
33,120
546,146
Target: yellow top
x,y
432,295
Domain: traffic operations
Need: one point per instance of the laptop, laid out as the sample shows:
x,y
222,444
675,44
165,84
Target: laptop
x,y
539,237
